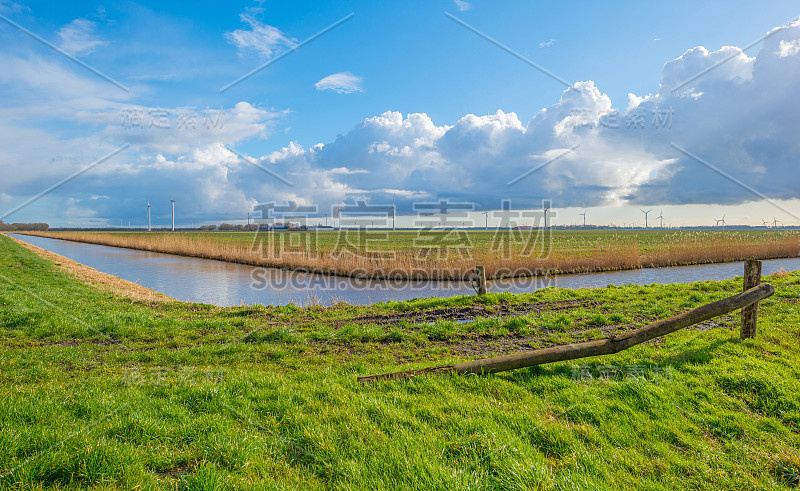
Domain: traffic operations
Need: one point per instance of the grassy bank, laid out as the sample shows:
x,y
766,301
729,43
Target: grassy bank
x,y
103,391
452,255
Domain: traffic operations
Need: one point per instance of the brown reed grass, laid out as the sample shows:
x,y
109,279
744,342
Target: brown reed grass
x,y
724,248
408,263
781,273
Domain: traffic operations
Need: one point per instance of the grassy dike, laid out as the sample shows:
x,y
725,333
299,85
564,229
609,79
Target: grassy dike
x,y
107,392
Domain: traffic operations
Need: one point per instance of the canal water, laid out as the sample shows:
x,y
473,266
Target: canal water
x,y
222,283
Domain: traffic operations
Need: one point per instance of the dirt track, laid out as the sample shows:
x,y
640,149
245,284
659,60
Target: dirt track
x,y
470,312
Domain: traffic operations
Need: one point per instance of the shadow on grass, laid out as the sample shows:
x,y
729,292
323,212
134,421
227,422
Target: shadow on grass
x,y
699,355
696,356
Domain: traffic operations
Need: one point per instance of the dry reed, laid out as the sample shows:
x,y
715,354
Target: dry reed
x,y
409,263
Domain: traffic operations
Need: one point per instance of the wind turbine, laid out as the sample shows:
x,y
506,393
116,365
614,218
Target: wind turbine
x,y
485,219
764,223
173,214
584,218
546,207
720,220
148,217
774,222
661,217
645,216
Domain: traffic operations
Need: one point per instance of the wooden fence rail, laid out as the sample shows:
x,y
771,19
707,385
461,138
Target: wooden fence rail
x,y
605,346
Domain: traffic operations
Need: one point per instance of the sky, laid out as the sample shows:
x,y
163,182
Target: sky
x,y
686,108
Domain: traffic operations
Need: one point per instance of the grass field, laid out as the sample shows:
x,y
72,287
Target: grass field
x,y
449,255
104,392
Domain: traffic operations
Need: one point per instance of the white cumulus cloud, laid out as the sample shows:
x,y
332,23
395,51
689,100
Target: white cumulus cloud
x,y
788,48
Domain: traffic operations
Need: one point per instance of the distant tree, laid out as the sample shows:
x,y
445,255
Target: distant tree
x,y
40,226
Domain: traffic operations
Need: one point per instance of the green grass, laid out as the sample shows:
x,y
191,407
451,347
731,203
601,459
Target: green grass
x,y
103,392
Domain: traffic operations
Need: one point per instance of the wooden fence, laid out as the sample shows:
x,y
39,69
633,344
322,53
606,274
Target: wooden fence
x,y
748,300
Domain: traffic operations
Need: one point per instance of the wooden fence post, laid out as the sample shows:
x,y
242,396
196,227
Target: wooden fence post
x,y
752,278
480,274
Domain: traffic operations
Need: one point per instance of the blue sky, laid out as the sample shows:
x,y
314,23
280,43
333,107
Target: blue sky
x,y
346,89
